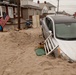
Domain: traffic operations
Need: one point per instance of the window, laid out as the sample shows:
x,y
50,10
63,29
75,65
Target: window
x,y
10,12
49,24
3,9
0,11
16,15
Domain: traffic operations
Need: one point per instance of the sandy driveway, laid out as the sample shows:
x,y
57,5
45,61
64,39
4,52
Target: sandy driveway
x,y
17,56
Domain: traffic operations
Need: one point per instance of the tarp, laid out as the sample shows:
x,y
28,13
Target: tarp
x,y
4,21
40,52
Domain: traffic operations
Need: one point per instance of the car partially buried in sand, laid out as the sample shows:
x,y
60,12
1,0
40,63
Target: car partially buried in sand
x,y
63,29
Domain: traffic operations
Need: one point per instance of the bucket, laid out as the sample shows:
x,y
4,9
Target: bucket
x,y
1,28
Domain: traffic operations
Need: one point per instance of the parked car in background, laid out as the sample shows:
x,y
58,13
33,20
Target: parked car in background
x,y
63,29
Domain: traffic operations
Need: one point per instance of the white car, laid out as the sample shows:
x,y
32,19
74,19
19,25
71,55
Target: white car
x,y
63,30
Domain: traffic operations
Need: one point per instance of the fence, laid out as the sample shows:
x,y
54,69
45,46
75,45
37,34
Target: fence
x,y
50,45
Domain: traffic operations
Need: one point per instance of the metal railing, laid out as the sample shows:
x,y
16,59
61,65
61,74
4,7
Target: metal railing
x,y
50,45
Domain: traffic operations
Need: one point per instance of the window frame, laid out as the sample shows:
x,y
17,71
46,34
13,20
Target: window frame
x,y
49,24
1,11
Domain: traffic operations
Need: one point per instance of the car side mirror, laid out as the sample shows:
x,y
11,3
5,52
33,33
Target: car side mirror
x,y
50,32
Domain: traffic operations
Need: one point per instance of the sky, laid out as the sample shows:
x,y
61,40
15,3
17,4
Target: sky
x,y
65,5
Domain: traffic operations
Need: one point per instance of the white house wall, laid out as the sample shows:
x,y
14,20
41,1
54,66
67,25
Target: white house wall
x,y
53,9
30,11
25,13
38,12
44,10
33,12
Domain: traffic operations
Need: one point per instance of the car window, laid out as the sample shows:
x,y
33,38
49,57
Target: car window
x,y
66,31
49,24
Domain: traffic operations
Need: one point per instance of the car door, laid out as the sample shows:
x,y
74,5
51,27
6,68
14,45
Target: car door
x,y
47,27
50,43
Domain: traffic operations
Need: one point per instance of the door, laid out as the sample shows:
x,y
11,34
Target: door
x,y
47,27
10,12
50,42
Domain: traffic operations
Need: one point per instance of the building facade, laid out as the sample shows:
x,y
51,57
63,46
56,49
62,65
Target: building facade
x,y
30,8
9,9
47,7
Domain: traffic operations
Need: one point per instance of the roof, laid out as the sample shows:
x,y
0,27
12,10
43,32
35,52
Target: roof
x,y
24,6
62,18
47,4
3,3
51,5
31,6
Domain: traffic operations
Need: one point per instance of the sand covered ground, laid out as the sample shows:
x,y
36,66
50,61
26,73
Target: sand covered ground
x,y
17,56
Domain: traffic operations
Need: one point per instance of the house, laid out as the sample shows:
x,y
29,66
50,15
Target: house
x,y
9,9
74,14
47,7
30,8
27,10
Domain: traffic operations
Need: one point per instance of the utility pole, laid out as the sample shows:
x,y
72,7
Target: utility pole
x,y
18,11
57,6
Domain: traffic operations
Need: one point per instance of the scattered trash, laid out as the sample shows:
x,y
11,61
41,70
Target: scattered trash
x,y
1,28
70,61
28,23
41,45
40,49
16,29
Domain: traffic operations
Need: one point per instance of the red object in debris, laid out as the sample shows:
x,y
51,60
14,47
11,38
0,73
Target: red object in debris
x,y
4,21
74,14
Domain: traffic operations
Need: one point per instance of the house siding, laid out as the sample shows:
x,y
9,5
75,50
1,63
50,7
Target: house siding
x,y
31,11
25,13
